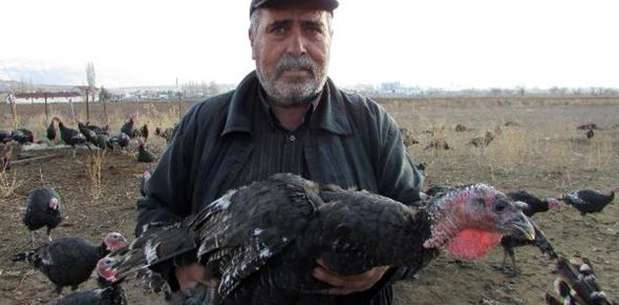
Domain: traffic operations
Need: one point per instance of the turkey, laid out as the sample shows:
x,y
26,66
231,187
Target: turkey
x,y
128,127
105,130
98,139
144,155
260,243
143,132
533,205
70,136
482,141
52,133
589,201
5,136
69,261
43,209
577,284
109,294
122,140
144,182
167,133
22,136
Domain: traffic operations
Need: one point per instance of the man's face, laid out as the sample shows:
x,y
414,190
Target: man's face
x,y
291,47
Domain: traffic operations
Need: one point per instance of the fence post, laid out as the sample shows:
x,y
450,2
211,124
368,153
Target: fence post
x,y
46,111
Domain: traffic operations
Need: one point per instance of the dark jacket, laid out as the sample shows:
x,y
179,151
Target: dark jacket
x,y
350,141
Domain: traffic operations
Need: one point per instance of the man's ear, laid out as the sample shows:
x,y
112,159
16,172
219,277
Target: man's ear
x,y
251,42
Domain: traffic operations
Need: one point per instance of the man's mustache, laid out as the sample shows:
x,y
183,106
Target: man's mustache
x,y
295,63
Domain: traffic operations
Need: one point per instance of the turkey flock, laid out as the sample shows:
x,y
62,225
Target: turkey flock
x,y
94,138
438,142
259,243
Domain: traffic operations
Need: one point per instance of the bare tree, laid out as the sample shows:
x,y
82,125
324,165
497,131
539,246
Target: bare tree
x,y
90,75
91,79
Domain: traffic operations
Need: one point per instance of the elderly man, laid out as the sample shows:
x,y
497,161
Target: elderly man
x,y
287,116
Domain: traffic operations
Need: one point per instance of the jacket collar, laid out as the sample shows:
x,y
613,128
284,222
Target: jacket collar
x,y
330,114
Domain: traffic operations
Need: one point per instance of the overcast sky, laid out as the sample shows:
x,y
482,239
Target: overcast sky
x,y
431,43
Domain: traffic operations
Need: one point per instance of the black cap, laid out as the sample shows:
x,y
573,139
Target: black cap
x,y
328,5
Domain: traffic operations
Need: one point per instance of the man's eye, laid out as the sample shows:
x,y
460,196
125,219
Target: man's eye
x,y
279,30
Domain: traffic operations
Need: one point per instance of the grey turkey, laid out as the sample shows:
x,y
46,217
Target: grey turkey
x,y
121,139
69,261
43,209
110,293
533,206
261,242
144,155
577,284
589,201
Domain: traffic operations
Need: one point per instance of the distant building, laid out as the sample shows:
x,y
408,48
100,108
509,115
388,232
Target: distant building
x,y
52,97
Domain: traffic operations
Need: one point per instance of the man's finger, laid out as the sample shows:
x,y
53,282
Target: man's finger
x,y
328,277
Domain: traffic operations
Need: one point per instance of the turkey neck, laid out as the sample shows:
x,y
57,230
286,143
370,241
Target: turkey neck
x,y
102,250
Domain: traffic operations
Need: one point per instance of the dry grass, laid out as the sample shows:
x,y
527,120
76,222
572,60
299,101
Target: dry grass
x,y
9,184
94,168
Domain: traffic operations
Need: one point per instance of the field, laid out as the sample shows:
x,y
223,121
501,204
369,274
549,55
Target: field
x,y
536,146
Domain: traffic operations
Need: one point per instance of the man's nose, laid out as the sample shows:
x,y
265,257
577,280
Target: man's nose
x,y
297,43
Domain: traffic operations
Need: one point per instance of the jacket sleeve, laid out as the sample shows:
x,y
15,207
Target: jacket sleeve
x,y
397,175
168,196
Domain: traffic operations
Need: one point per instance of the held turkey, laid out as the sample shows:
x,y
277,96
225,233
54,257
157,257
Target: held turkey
x,y
260,243
69,261
109,294
43,209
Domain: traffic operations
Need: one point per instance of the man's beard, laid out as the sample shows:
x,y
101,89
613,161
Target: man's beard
x,y
297,92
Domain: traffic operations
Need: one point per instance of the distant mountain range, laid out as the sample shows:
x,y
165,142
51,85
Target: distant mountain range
x,y
31,72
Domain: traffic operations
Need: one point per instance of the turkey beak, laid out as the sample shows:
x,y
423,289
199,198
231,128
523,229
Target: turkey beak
x,y
522,225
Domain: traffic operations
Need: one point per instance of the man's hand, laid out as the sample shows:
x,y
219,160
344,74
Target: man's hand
x,y
189,276
344,285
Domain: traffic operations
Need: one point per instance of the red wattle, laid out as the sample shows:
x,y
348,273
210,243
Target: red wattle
x,y
472,244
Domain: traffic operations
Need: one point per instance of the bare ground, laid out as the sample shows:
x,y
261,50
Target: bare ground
x,y
544,154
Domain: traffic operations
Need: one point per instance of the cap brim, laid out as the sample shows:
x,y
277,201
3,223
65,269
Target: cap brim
x,y
327,5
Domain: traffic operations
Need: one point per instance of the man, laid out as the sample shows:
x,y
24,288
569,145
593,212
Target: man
x,y
287,116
